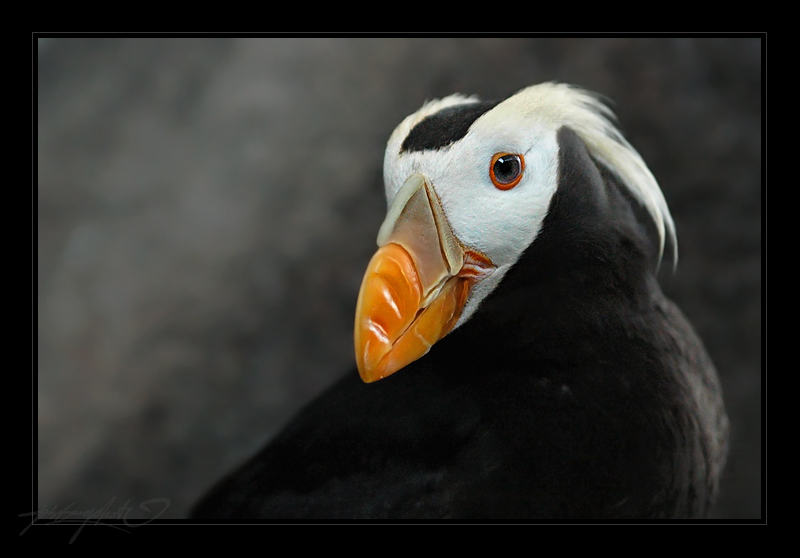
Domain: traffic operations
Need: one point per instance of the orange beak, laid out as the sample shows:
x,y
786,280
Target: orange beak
x,y
416,284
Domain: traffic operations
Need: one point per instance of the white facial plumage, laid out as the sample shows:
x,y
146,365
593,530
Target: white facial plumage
x,y
501,224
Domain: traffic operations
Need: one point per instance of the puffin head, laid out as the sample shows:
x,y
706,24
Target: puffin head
x,y
468,186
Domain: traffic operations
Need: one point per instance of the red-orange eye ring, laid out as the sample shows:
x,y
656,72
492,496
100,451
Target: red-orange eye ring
x,y
506,170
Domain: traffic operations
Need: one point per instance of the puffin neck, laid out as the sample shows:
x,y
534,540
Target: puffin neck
x,y
595,239
588,273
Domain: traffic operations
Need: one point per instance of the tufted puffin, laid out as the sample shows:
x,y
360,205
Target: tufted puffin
x,y
516,356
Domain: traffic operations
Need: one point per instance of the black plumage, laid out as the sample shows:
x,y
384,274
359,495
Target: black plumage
x,y
576,391
445,127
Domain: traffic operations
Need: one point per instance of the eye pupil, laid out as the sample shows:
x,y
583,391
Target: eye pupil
x,y
506,170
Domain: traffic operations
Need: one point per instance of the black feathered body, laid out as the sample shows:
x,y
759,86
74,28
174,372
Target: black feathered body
x,y
576,391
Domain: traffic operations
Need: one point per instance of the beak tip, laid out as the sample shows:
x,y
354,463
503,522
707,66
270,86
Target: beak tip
x,y
370,375
367,379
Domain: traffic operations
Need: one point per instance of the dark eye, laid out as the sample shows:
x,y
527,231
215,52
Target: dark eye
x,y
506,170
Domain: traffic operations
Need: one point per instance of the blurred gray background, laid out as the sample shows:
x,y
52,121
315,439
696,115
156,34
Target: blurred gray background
x,y
206,208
